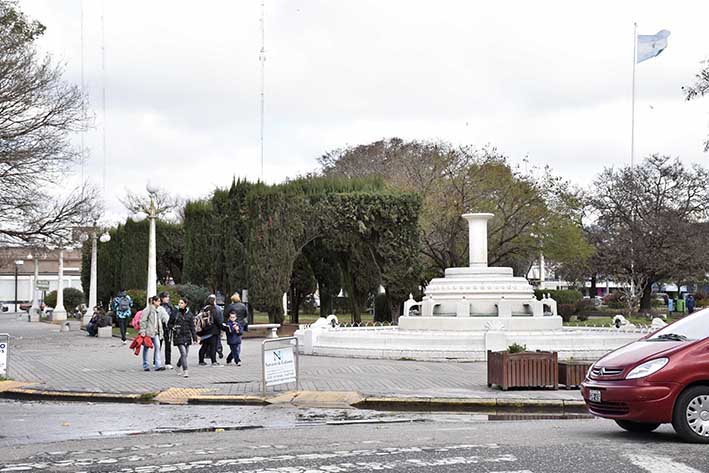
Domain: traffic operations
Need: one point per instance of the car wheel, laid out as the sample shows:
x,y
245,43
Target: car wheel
x,y
691,415
631,426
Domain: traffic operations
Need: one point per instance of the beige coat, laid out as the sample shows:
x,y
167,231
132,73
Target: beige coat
x,y
151,323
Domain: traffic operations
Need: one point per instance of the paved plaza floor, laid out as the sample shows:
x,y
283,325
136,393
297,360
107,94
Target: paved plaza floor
x,y
71,361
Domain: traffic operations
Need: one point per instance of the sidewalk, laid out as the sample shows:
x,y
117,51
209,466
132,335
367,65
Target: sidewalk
x,y
70,365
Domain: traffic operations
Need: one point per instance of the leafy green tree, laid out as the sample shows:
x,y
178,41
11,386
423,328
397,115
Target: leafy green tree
x,y
532,214
302,284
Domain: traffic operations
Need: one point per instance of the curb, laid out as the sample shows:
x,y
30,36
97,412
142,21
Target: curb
x,y
478,405
43,395
229,400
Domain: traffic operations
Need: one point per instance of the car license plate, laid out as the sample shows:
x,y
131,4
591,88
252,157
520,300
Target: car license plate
x,y
594,395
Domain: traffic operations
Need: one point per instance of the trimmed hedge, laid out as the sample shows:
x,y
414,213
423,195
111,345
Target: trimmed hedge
x,y
72,299
565,296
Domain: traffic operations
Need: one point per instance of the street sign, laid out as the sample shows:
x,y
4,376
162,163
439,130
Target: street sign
x,y
42,285
279,363
4,349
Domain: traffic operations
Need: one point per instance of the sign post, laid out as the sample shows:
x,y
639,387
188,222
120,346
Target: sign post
x,y
4,354
279,362
42,285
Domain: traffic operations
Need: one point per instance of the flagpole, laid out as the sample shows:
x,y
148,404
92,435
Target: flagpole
x,y
632,161
632,119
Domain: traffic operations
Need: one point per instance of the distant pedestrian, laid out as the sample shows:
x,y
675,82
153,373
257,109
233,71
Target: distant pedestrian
x,y
167,326
121,306
151,326
219,320
690,303
184,334
233,336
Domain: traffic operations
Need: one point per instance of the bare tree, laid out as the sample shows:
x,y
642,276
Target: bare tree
x,y
699,89
38,110
652,220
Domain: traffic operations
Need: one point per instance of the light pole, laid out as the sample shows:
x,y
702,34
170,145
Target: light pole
x,y
59,313
18,263
151,212
92,232
34,310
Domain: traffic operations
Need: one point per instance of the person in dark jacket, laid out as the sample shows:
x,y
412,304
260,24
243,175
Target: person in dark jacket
x,y
242,312
183,334
167,327
210,333
233,337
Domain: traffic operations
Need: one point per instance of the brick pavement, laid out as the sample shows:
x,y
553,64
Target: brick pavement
x,y
71,361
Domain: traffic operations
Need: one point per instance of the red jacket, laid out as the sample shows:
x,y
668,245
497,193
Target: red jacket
x,y
139,341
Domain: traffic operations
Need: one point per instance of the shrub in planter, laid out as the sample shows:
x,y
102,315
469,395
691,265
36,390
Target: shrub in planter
x,y
72,298
566,311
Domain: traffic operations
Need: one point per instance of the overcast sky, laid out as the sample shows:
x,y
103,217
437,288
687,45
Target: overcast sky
x,y
550,80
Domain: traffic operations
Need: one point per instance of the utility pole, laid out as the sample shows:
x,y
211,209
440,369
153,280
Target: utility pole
x,y
262,60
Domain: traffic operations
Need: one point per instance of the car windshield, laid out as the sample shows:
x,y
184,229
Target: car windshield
x,y
692,327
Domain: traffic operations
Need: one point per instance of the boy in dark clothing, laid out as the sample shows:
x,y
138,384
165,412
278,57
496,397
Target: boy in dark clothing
x,y
233,338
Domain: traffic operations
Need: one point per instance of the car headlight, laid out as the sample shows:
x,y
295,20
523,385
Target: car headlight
x,y
647,368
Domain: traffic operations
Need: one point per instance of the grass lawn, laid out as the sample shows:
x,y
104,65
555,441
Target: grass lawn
x,y
607,321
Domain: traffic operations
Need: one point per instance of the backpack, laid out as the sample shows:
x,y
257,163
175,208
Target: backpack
x,y
136,320
124,304
204,320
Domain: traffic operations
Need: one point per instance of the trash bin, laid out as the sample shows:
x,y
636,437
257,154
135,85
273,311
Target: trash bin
x,y
680,305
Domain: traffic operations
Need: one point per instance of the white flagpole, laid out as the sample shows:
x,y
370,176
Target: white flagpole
x,y
632,119
632,157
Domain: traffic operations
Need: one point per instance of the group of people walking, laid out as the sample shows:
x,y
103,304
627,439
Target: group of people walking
x,y
166,325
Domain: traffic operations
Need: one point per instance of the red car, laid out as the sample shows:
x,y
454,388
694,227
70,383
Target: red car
x,y
661,378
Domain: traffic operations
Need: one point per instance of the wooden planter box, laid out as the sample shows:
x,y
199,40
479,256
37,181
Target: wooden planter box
x,y
572,373
529,369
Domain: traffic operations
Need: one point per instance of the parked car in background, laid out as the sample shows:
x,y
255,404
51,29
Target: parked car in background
x,y
661,378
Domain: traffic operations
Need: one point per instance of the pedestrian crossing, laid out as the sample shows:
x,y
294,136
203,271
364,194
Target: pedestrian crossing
x,y
489,458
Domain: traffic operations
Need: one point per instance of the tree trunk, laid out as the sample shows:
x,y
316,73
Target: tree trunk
x,y
593,291
645,301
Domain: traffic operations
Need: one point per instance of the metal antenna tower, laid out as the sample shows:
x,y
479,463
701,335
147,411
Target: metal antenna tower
x,y
262,59
83,94
103,89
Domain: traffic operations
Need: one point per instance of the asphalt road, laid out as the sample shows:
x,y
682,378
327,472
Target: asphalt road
x,y
100,438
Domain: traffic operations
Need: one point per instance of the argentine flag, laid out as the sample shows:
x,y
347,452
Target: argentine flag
x,y
650,45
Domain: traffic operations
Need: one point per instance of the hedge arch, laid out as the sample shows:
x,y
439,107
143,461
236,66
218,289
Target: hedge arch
x,y
251,235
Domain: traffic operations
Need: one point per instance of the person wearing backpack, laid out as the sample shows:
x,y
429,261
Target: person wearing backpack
x,y
208,331
122,304
184,334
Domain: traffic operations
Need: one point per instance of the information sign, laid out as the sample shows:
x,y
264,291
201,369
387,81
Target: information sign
x,y
279,366
4,348
42,285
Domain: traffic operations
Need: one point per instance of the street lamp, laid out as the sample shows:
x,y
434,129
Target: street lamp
x,y
151,212
92,232
34,310
18,263
59,313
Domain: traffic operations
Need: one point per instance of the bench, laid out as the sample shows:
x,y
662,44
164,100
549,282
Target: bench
x,y
105,332
271,329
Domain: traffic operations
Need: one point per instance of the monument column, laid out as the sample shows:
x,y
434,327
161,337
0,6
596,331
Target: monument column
x,y
477,238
